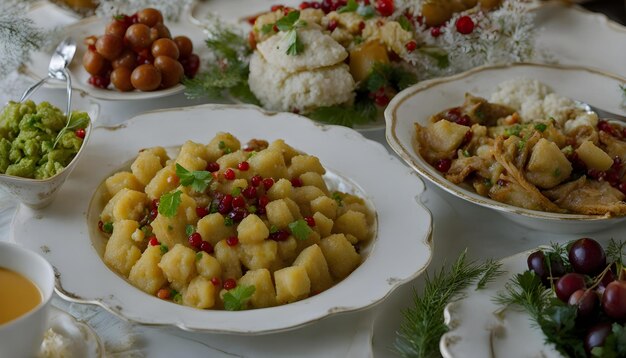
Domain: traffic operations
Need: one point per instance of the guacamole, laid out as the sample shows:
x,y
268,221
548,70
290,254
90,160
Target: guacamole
x,y
28,132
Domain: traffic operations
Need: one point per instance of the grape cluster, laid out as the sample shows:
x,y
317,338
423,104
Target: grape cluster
x,y
138,52
584,279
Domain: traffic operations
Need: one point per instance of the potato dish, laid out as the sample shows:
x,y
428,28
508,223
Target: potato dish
x,y
222,226
530,148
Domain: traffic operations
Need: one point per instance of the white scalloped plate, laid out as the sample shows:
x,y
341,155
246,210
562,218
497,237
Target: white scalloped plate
x,y
400,252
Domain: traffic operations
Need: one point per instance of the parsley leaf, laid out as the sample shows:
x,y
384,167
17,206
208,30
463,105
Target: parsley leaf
x,y
237,298
363,112
366,11
199,256
437,54
189,229
107,227
199,180
169,203
267,28
389,75
300,229
164,249
405,23
351,6
294,46
228,221
541,127
288,21
338,198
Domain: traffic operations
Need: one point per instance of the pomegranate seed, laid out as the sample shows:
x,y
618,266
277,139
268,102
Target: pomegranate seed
x,y
195,239
411,46
296,182
464,120
173,180
381,100
80,133
249,192
612,177
260,211
100,225
153,214
315,5
163,294
277,7
153,241
232,241
212,167
464,25
225,204
99,81
202,211
617,163
216,281
332,25
229,174
280,235
443,165
605,126
384,7
263,201
267,183
468,137
243,166
361,26
435,31
420,20
256,180
230,283
310,221
622,187
239,202
275,28
154,204
238,214
206,247
305,5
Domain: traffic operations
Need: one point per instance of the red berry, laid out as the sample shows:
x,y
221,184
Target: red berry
x,y
229,174
277,7
195,240
243,166
256,180
315,5
239,202
225,204
304,5
267,183
614,300
310,221
202,211
443,165
296,182
212,167
80,133
464,120
435,31
153,241
361,26
216,281
280,235
384,7
622,187
411,46
332,25
464,25
191,65
263,201
249,192
206,247
99,81
153,214
232,241
381,100
230,283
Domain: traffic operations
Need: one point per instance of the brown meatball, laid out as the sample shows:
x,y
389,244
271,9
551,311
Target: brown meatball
x,y
185,47
165,47
171,71
146,78
149,16
139,36
109,46
93,62
120,77
117,28
128,58
162,31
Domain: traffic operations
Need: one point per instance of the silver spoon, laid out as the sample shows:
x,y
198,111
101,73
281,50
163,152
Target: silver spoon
x,y
600,112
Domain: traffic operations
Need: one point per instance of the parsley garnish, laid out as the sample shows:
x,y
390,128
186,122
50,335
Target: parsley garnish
x,y
107,227
199,180
383,75
338,198
290,23
147,230
169,203
199,256
164,249
363,112
273,229
236,191
405,23
176,296
294,46
437,54
300,229
351,6
267,28
237,298
77,120
366,11
221,145
228,221
541,127
189,229
252,209
614,344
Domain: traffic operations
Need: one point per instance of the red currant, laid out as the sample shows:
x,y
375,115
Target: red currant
x,y
230,283
229,174
411,46
268,183
202,211
80,133
153,241
206,247
443,165
256,180
385,7
310,221
212,167
296,182
464,25
243,166
195,240
232,241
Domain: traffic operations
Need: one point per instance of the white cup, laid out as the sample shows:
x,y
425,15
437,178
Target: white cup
x,y
22,336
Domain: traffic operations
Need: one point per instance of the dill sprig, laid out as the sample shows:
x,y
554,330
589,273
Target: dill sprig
x,y
525,290
423,323
19,36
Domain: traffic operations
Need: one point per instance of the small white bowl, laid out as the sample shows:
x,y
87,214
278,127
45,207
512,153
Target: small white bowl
x,y
38,193
22,337
417,103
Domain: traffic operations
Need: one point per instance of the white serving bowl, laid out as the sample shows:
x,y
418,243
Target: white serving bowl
x,y
416,104
22,337
38,193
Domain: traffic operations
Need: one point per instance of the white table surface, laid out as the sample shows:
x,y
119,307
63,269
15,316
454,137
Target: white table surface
x,y
457,225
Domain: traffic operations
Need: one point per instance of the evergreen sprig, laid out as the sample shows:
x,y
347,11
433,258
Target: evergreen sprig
x,y
19,36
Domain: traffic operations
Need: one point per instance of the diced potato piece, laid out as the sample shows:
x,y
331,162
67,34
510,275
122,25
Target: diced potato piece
x,y
445,136
594,157
228,185
314,179
353,223
256,256
278,213
228,259
292,284
171,230
287,250
200,293
145,166
179,266
122,180
293,207
364,57
146,273
231,160
252,230
213,229
301,164
325,205
220,144
352,239
340,255
313,261
159,152
120,252
323,225
280,190
208,266
313,239
192,156
548,166
303,196
268,163
285,149
162,182
125,205
264,294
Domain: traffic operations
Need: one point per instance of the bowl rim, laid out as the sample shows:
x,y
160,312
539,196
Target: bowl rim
x,y
424,169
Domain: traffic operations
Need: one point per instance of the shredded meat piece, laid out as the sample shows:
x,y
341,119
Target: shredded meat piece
x,y
589,197
483,112
583,133
461,168
515,176
426,151
514,194
614,147
256,145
